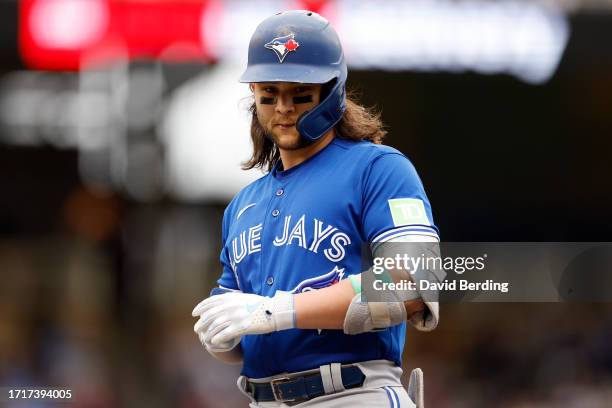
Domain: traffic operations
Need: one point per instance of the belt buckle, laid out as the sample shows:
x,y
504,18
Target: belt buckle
x,y
276,392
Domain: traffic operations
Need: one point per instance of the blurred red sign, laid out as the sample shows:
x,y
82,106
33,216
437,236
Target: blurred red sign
x,y
78,34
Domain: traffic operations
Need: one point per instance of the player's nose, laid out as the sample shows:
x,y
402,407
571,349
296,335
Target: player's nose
x,y
284,104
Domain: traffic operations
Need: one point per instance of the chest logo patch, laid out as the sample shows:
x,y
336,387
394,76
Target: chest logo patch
x,y
318,282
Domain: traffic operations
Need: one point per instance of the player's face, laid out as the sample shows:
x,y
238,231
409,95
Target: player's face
x,y
279,105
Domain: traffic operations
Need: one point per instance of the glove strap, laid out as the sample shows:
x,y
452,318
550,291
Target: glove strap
x,y
283,311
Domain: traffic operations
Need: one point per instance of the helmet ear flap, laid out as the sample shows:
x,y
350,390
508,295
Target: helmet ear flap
x,y
313,124
327,88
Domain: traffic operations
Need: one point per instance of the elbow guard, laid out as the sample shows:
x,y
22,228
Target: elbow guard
x,y
362,317
388,309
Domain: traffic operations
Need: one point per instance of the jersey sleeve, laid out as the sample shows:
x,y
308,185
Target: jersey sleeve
x,y
228,279
395,205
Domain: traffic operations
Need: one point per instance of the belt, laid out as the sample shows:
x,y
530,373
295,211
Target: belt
x,y
302,387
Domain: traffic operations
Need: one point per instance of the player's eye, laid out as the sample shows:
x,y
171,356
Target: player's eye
x,y
269,89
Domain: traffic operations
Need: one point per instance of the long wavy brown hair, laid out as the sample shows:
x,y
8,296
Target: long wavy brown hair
x,y
357,123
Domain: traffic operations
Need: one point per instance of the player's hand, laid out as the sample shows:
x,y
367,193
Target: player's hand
x,y
219,348
223,318
223,347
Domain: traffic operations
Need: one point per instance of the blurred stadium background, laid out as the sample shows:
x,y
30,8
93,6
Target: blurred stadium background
x,y
122,128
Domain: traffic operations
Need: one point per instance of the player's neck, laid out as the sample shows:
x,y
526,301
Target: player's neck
x,y
292,158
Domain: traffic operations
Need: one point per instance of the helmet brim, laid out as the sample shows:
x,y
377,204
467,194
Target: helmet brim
x,y
296,73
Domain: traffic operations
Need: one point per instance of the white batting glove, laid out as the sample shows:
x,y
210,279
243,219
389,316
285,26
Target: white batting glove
x,y
219,348
223,318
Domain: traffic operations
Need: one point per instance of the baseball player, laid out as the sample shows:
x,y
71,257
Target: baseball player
x,y
288,303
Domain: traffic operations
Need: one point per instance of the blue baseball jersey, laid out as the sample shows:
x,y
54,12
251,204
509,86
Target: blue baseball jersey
x,y
304,229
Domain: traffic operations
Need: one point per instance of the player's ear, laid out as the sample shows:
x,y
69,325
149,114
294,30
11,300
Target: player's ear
x,y
252,87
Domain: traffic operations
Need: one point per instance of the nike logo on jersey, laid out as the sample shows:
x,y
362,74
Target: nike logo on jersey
x,y
244,209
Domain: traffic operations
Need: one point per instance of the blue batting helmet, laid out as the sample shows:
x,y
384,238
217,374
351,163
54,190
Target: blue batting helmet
x,y
302,47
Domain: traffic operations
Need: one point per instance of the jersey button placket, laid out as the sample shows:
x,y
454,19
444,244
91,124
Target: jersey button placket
x,y
275,213
279,192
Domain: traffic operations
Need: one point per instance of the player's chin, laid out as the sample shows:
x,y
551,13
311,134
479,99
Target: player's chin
x,y
288,140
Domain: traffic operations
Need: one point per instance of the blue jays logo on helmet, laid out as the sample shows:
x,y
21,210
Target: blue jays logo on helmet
x,y
330,278
283,46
